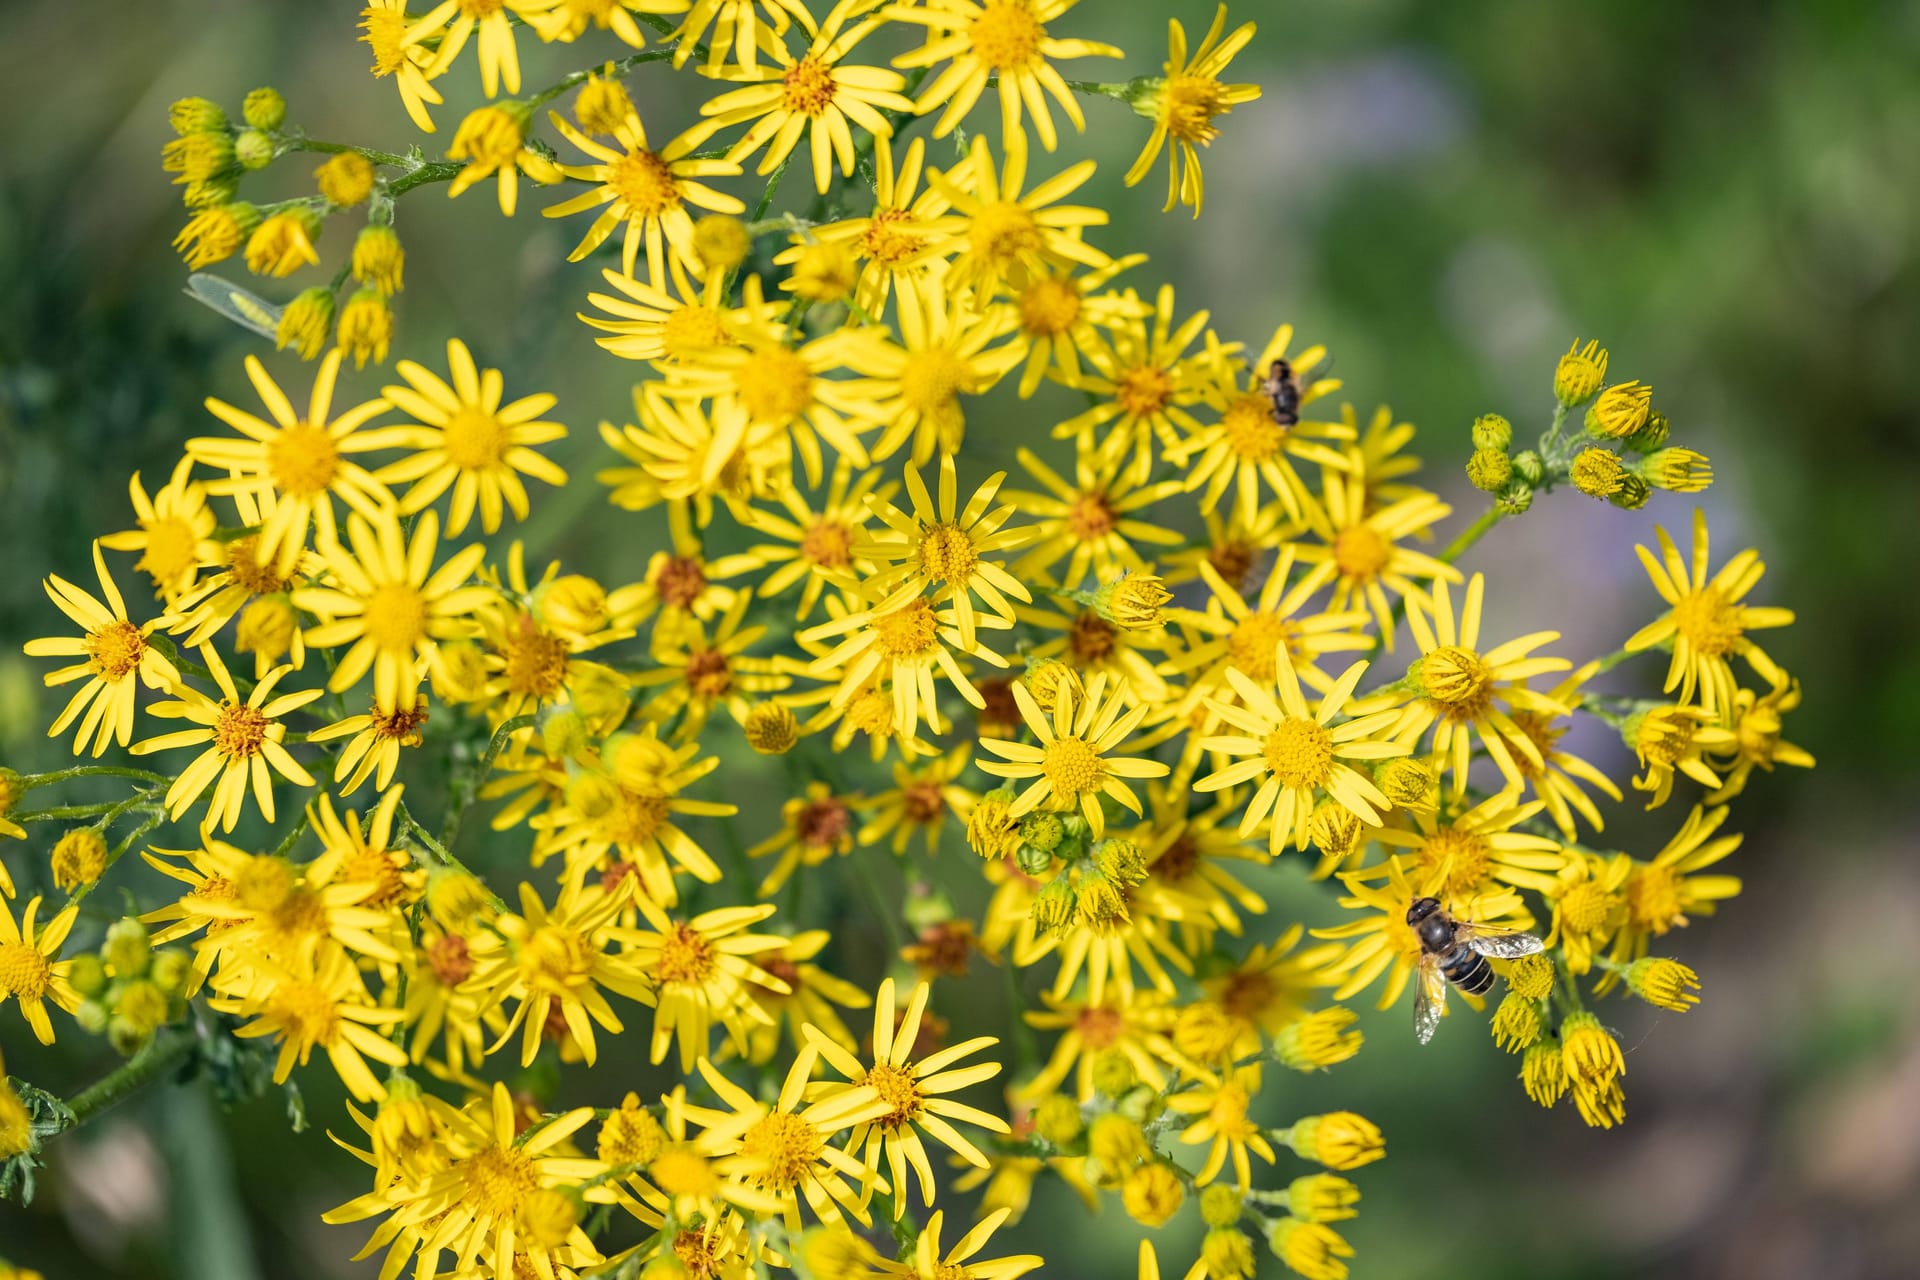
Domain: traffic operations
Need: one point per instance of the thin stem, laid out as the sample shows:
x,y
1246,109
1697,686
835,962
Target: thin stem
x,y
1471,534
32,780
615,66
168,1049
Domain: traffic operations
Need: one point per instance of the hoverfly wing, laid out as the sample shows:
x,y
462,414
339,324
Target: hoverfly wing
x,y
1505,946
1429,1000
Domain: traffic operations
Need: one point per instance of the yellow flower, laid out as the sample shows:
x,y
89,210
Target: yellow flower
x,y
29,970
216,234
1219,1115
295,465
1756,721
346,179
1579,373
1462,689
1298,753
379,260
384,27
113,649
305,323
995,233
914,1093
698,969
1071,767
703,671
452,22
467,442
391,605
1184,104
374,748
242,744
493,142
1665,984
646,189
944,549
652,324
1003,40
737,27
1557,779
1142,380
1089,521
1663,893
1473,848
1256,437
905,646
366,327
817,547
1135,1029
814,829
1594,1065
1707,624
1310,1249
1061,316
891,241
813,92
175,533
1233,633
1674,739
809,1000
568,20
282,244
1360,552
1588,906
945,352
318,1001
920,801
959,1262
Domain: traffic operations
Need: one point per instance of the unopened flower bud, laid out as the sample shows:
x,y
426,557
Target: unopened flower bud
x,y
1665,983
345,179
1516,1023
1650,436
1116,1141
1527,465
264,108
196,115
79,858
1319,1040
1053,907
306,323
1151,1194
1491,431
1058,1119
771,728
1579,373
253,149
1676,470
1046,677
992,831
721,243
1113,1073
1131,602
1543,1074
1409,783
1120,861
365,330
1488,470
1597,472
1322,1197
1515,499
266,628
87,974
1632,493
603,104
378,259
1339,1140
1621,410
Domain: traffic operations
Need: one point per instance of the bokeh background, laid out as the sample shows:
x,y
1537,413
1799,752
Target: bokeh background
x,y
1444,194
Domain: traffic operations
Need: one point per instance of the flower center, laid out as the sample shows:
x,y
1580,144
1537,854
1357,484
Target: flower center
x,y
1653,899
1049,306
1073,768
900,1091
1091,639
1179,860
374,867
474,439
946,553
1300,753
238,731
555,960
480,8
685,956
1003,232
396,617
1359,552
1229,1111
1251,432
699,1251
680,581
172,549
775,386
265,884
908,632
885,240
1091,517
687,330
681,1171
784,1148
302,460
401,726
828,543
1545,736
1706,620
1233,560
871,713
1247,995
1456,682
1759,733
1006,36
1099,1027
1254,642
708,674
1664,738
536,660
634,819
306,1012
24,971
932,379
808,87
823,823
1464,857
644,181
244,567
1585,908
115,649
925,802
495,1182
384,29
1190,105
449,959
1143,391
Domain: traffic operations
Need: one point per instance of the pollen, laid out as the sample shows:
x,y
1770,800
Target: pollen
x,y
685,957
680,581
1190,104
475,439
384,30
1003,233
886,241
244,567
1299,752
396,617
302,460
238,731
828,543
115,650
1653,899
910,631
708,674
1585,908
900,1091
932,378
400,726
643,180
172,550
1360,552
775,386
374,867
1006,36
495,1182
947,553
1254,642
449,960
1091,517
687,330
1049,306
536,661
924,802
823,823
1091,639
784,1148
24,972
1708,622
1456,682
1464,856
871,713
808,87
1143,391
306,1012
1073,768
1250,430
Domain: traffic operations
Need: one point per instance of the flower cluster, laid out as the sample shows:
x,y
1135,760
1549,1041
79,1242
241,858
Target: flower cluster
x,y
1155,664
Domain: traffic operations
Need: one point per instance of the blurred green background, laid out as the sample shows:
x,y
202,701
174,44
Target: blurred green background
x,y
1445,195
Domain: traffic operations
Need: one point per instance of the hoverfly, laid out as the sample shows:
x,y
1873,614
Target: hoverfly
x,y
1455,950
1282,386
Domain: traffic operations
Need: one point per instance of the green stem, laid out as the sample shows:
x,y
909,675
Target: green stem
x,y
168,1049
463,796
1471,534
32,780
616,66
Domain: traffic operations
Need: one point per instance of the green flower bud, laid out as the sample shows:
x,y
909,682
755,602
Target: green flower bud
x,y
127,948
264,109
1514,499
1649,437
87,975
1491,431
1527,465
1489,470
253,149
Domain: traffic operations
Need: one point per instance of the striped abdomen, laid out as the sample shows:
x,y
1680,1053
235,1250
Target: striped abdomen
x,y
1468,970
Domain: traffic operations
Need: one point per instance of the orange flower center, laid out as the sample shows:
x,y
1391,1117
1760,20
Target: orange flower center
x,y
1143,391
1300,753
1049,306
783,1149
910,631
396,617
685,956
115,650
808,87
244,567
1250,430
536,660
886,240
643,180
1359,552
775,386
708,674
900,1091
1706,620
828,543
680,581
823,823
238,731
1091,639
1091,517
1253,645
